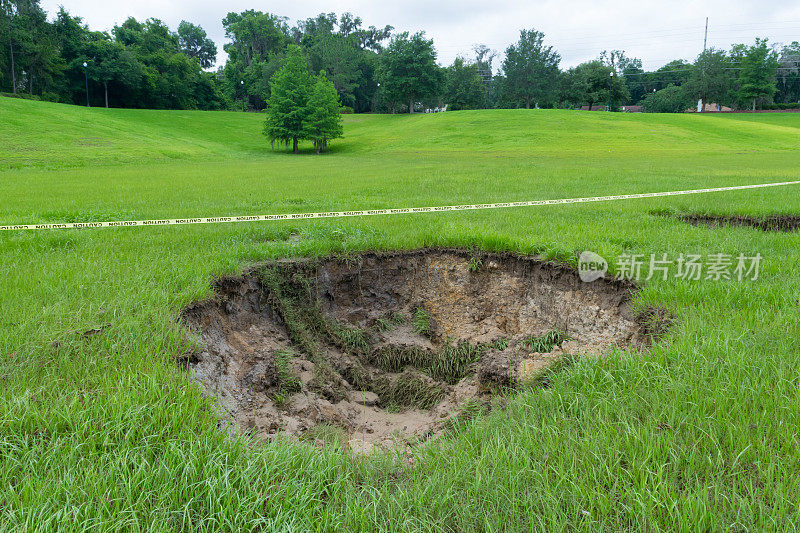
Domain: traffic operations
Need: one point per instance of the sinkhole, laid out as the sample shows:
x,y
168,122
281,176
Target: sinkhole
x,y
389,347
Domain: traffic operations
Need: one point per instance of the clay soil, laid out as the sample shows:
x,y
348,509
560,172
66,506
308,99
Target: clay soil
x,y
389,347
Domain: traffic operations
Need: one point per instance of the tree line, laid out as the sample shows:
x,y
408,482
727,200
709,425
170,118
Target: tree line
x,y
146,64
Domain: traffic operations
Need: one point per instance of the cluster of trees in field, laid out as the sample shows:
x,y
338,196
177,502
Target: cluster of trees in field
x,y
302,107
372,69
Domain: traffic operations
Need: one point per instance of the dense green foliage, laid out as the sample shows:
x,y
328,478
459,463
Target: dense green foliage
x,y
531,71
195,43
408,71
106,431
464,86
670,99
139,64
288,100
323,117
341,47
759,65
594,82
145,64
301,107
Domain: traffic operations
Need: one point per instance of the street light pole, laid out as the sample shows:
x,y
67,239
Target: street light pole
x,y
86,75
241,83
610,87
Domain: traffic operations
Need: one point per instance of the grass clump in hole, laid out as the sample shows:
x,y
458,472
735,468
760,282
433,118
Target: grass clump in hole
x,y
449,364
398,318
475,263
500,344
452,362
391,321
384,324
288,382
544,343
411,389
328,382
290,295
421,321
326,435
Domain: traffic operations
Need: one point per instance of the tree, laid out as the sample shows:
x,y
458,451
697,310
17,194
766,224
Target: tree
x,y
675,72
757,75
347,52
789,74
593,82
408,69
287,106
7,14
323,118
710,79
194,42
34,59
630,68
672,99
255,53
113,63
531,70
334,51
464,87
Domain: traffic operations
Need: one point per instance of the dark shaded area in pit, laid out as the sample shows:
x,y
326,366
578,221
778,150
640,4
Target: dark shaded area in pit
x,y
389,346
783,223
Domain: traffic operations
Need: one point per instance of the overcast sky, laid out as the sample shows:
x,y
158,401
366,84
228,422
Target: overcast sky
x,y
655,31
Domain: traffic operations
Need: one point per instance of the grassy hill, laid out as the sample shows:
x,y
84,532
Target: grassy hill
x,y
105,430
44,135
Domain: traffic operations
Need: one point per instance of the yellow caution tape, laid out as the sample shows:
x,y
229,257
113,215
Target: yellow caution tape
x,y
370,212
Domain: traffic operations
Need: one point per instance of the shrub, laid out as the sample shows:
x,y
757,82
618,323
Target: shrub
x,y
672,99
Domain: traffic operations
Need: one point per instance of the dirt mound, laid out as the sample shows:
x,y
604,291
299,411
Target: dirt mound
x,y
390,346
783,223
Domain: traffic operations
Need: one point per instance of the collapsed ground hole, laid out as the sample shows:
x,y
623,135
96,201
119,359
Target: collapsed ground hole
x,y
784,223
388,347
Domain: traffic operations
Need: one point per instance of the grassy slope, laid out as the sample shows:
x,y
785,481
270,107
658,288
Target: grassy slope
x,y
700,432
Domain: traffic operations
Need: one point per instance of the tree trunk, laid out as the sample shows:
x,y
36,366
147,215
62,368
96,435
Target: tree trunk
x,y
30,85
105,86
318,144
13,70
295,147
754,104
410,105
527,103
590,105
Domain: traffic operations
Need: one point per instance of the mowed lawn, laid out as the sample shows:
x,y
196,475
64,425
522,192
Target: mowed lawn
x,y
100,428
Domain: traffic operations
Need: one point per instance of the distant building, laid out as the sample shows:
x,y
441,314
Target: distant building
x,y
624,109
711,108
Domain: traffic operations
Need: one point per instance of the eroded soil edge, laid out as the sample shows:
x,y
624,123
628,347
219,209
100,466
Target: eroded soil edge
x,y
389,346
779,223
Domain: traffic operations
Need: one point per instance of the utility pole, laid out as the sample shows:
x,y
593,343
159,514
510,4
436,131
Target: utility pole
x,y
703,73
11,47
86,75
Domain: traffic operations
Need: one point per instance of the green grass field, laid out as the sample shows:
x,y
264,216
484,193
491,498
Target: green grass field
x,y
105,431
